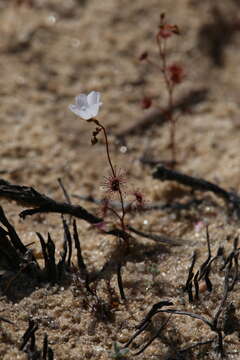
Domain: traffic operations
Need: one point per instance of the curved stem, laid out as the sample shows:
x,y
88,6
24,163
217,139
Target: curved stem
x,y
107,148
162,48
114,174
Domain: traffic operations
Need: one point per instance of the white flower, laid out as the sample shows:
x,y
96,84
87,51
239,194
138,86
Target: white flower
x,y
86,106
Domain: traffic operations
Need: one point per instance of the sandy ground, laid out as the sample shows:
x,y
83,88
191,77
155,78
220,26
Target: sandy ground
x,y
52,51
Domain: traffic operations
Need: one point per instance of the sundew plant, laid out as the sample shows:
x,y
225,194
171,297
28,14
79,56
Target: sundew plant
x,y
87,108
172,74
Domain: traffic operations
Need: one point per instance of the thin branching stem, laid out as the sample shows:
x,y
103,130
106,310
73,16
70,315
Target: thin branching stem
x,y
162,48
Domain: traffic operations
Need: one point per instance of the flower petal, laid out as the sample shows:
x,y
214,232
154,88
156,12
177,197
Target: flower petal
x,y
86,113
86,106
75,109
94,109
93,98
81,100
83,112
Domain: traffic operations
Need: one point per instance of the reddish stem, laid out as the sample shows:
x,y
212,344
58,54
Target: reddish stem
x,y
107,149
163,57
114,174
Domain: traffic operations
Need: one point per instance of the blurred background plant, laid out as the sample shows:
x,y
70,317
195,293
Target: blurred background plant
x,y
172,74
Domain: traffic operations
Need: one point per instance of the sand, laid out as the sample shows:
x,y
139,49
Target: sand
x,y
50,52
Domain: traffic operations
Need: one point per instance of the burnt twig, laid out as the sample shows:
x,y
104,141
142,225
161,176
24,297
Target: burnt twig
x,y
232,261
162,173
47,352
81,264
31,349
146,322
42,203
68,239
202,273
29,334
48,250
154,337
188,286
120,283
16,241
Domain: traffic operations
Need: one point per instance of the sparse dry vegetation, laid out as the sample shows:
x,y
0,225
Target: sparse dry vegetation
x,y
142,261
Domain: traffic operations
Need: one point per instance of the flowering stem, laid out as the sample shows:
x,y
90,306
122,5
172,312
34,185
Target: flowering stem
x,y
114,175
172,121
163,56
107,148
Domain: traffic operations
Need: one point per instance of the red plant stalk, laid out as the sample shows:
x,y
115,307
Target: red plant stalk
x,y
115,181
172,76
162,42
